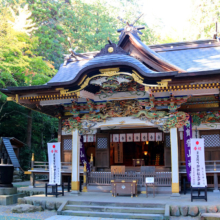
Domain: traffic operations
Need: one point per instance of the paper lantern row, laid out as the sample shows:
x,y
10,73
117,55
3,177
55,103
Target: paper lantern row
x,y
130,137
136,137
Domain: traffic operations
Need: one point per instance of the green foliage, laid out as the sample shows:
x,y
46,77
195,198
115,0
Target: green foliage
x,y
13,123
31,53
19,65
87,23
204,16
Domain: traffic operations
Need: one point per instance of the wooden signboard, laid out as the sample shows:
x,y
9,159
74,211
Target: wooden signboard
x,y
118,152
117,169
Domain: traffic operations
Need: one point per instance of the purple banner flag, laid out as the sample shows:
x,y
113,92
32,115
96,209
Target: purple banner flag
x,y
83,157
187,146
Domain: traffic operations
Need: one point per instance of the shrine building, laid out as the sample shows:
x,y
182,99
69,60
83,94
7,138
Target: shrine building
x,y
127,106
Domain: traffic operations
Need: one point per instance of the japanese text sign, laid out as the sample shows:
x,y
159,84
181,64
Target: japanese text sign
x,y
54,163
149,179
187,146
198,172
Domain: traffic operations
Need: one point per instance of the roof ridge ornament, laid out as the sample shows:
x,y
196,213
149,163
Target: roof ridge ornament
x,y
73,56
130,27
111,48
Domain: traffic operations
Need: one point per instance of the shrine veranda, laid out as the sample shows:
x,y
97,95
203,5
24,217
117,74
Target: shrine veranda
x,y
130,102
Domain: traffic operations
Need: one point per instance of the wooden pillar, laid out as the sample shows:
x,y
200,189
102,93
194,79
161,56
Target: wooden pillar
x,y
85,178
59,129
174,161
216,183
75,183
32,180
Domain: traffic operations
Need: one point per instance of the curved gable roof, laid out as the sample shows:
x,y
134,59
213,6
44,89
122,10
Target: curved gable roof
x,y
70,71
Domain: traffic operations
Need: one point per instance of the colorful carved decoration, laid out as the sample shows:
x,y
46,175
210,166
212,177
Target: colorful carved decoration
x,y
145,114
84,127
71,124
95,117
100,112
205,117
111,82
109,107
164,120
74,111
171,103
175,120
117,83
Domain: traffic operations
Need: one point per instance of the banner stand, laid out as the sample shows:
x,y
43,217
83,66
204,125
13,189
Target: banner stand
x,y
54,161
198,169
199,189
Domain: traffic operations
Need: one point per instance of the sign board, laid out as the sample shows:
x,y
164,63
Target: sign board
x,y
118,152
54,163
198,172
149,180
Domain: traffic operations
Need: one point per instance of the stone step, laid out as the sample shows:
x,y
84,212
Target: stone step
x,y
17,180
113,215
210,216
117,204
91,208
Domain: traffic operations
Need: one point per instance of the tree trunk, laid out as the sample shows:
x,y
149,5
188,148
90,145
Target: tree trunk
x,y
29,129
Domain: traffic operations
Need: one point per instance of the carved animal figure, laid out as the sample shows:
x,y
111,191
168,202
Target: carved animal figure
x,y
99,81
150,115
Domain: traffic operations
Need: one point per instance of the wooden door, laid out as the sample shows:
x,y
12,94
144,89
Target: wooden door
x,y
212,144
102,151
66,148
167,150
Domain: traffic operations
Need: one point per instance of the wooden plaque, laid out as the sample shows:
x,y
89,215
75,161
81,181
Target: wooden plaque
x,y
117,169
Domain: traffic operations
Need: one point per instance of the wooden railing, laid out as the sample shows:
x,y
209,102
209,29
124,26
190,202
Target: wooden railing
x,y
104,178
39,165
211,165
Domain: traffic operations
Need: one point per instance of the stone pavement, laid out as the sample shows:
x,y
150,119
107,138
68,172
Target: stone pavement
x,y
213,198
6,214
60,217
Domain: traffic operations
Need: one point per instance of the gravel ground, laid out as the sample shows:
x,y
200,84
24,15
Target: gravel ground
x,y
6,214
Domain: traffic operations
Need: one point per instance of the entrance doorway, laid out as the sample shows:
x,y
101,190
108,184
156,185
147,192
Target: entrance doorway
x,y
151,152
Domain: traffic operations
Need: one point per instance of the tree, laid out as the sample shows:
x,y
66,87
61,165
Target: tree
x,y
87,23
204,16
19,65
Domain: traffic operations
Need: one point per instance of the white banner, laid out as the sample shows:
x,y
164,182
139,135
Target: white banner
x,y
151,136
54,163
130,137
137,137
159,136
198,172
122,138
116,138
143,136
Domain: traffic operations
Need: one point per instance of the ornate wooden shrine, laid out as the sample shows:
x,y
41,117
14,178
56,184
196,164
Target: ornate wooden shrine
x,y
131,88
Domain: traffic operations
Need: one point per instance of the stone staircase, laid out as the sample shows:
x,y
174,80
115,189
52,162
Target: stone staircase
x,y
113,210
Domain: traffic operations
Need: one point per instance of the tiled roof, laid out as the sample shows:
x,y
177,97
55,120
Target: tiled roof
x,y
192,60
69,72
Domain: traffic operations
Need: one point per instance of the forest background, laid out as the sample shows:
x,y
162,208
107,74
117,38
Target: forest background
x,y
33,39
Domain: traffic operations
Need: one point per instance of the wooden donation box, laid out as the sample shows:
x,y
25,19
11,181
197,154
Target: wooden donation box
x,y
138,162
124,187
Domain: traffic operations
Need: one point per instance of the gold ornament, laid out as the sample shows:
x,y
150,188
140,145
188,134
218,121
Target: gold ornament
x,y
110,49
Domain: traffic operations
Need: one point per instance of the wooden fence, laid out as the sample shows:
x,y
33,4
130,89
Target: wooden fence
x,y
104,178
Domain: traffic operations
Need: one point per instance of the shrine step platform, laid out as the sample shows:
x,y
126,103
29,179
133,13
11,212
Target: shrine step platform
x,y
9,196
112,210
